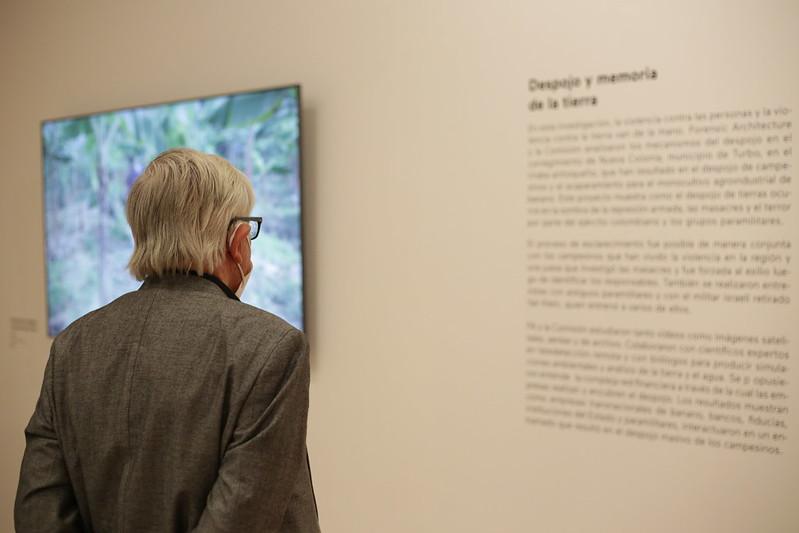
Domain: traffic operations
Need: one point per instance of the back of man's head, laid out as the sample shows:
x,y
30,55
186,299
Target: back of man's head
x,y
179,211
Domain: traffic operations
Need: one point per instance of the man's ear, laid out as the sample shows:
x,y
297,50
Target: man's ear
x,y
236,248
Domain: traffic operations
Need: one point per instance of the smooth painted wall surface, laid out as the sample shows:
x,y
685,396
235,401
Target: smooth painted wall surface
x,y
414,164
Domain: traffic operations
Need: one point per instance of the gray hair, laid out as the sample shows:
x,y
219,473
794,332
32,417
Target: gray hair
x,y
180,209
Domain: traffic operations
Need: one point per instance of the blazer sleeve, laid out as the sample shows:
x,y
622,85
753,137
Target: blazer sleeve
x,y
260,466
45,500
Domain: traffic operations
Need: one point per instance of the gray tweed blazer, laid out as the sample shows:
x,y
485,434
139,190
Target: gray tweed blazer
x,y
174,408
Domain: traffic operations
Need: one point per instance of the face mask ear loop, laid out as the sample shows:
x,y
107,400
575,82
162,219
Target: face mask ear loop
x,y
233,234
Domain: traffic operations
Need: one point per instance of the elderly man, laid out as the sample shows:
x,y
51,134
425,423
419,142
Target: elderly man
x,y
175,407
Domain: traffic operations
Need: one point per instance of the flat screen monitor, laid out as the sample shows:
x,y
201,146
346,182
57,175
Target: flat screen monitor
x,y
91,161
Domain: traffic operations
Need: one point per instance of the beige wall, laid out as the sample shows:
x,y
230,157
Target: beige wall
x,y
414,166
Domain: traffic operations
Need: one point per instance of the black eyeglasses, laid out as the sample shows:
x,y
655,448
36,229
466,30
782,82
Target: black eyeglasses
x,y
254,222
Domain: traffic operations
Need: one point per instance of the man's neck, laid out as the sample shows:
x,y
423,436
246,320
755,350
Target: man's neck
x,y
228,273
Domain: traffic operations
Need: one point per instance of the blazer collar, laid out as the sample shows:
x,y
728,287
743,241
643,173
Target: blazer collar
x,y
190,281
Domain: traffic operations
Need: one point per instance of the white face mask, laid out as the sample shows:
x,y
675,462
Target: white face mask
x,y
244,279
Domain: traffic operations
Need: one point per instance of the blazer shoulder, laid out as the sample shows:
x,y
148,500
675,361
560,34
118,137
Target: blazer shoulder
x,y
258,326
94,320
